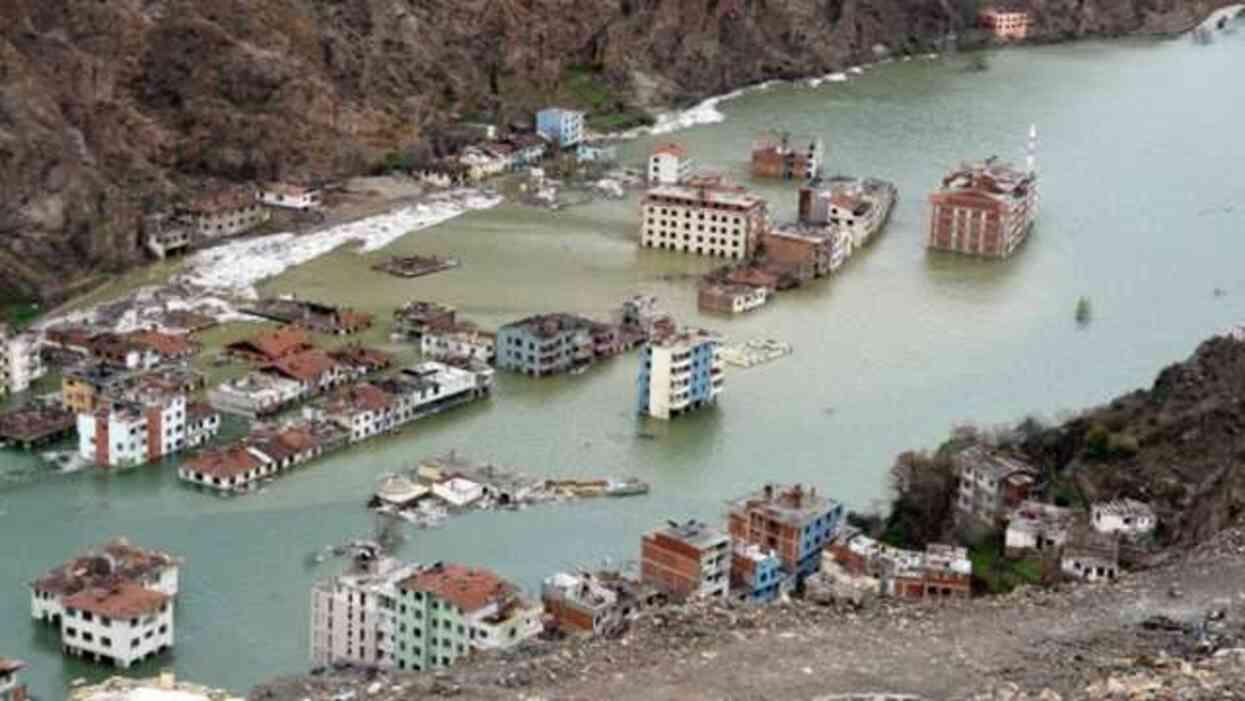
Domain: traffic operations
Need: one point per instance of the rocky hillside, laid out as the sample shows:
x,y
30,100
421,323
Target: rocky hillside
x,y
108,109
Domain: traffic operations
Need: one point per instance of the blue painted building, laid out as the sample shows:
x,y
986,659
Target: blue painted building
x,y
680,372
757,575
794,522
560,126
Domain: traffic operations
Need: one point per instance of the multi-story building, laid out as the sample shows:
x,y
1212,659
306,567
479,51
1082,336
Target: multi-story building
x,y
598,603
774,156
757,574
115,561
1037,528
354,615
704,216
315,371
794,522
820,250
560,126
142,427
123,351
546,344
11,687
984,209
447,612
680,372
268,346
119,624
1005,24
991,484
85,388
368,409
854,207
256,394
1090,555
459,341
165,235
687,560
669,165
227,213
725,298
938,571
414,319
20,361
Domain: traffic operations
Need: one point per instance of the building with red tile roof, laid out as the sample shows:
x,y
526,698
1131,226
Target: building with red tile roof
x,y
268,346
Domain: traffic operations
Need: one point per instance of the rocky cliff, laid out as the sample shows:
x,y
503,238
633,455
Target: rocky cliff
x,y
110,109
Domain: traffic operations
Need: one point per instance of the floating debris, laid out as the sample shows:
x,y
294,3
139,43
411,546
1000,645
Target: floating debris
x,y
416,266
1083,311
755,352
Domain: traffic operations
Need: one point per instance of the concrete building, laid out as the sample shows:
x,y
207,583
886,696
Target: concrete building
x,y
793,521
781,156
166,235
458,491
84,388
597,603
669,164
1127,517
314,370
725,298
687,560
643,315
165,687
142,427
11,687
229,469
256,394
227,214
679,373
1005,24
414,319
937,572
116,560
560,126
757,574
20,361
984,209
1090,556
548,344
264,454
596,152
991,485
268,346
856,207
354,615
705,216
123,351
289,196
120,624
369,409
447,612
1037,528
817,249
459,341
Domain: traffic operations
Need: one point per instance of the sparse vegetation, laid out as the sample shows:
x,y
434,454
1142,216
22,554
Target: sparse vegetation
x,y
998,575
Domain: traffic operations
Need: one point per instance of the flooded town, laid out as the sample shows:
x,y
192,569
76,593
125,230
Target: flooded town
x,y
816,353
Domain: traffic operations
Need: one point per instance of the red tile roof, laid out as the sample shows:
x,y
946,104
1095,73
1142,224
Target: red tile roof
x,y
362,357
307,366
224,463
468,588
671,150
125,600
275,344
166,344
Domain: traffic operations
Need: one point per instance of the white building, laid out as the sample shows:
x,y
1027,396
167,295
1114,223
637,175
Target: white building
x,y
20,361
135,431
991,484
483,164
680,372
731,299
459,342
458,491
669,165
120,624
1035,527
104,566
289,196
257,394
1127,517
704,217
368,409
353,615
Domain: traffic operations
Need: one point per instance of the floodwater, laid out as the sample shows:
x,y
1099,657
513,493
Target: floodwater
x,y
1143,202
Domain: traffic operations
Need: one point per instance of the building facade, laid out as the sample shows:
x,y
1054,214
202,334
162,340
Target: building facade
x,y
983,209
779,156
119,625
688,560
669,164
546,344
142,428
857,208
354,615
757,575
1034,528
725,298
446,612
20,361
794,522
287,196
1007,25
679,373
1127,517
460,341
560,126
704,217
227,214
991,485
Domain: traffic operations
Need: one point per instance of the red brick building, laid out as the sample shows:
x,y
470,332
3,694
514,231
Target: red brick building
x,y
983,209
687,560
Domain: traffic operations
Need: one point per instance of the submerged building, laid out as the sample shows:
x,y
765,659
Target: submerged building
x,y
780,155
985,209
680,372
705,216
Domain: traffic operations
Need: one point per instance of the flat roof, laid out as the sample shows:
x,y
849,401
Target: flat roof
x,y
793,505
708,194
468,588
695,533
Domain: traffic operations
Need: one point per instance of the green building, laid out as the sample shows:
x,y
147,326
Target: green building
x,y
446,612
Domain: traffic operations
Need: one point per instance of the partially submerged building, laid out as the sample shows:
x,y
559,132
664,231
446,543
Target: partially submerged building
x,y
813,250
414,319
142,426
726,298
669,164
354,614
991,484
680,372
779,155
985,208
313,316
35,425
704,216
112,604
262,455
462,340
548,344
855,207
794,522
687,560
227,213
449,611
268,346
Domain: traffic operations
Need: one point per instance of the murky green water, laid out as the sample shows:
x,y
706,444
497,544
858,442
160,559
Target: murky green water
x,y
1142,158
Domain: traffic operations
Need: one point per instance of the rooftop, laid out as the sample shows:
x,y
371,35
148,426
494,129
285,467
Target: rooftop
x,y
364,396
224,463
793,505
419,310
361,357
222,201
812,233
550,325
992,178
166,344
993,463
695,533
708,192
125,600
468,588
671,150
276,343
1124,508
306,366
686,337
1036,516
115,560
